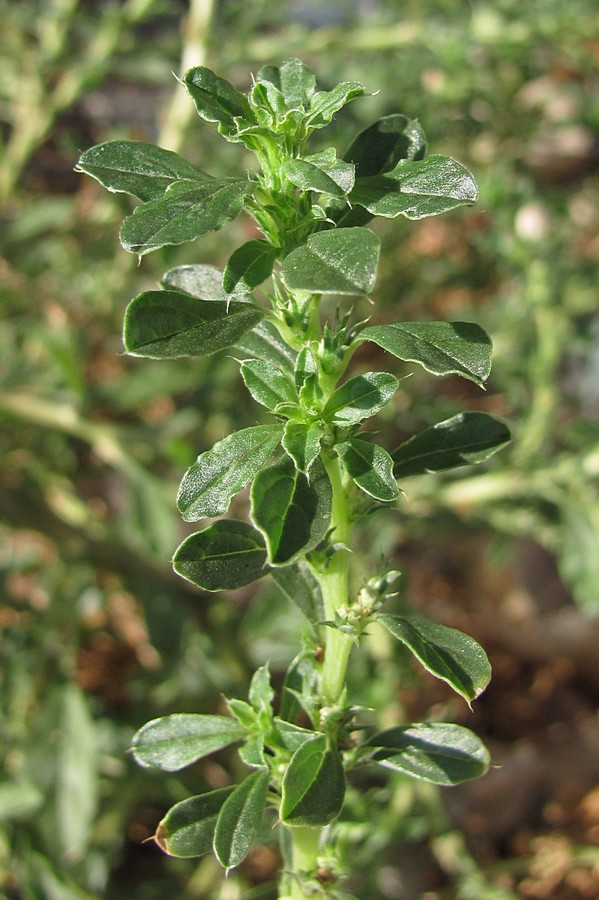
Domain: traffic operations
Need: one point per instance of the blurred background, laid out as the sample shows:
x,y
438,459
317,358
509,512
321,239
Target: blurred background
x,y
98,636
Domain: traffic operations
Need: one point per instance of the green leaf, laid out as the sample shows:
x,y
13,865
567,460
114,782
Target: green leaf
x,y
469,437
370,466
132,167
292,512
313,785
301,587
169,324
382,145
447,653
227,555
240,818
216,99
416,189
261,693
269,386
293,79
221,472
438,752
188,828
301,441
359,398
291,736
264,342
325,104
342,261
305,367
201,281
173,742
321,172
249,266
443,348
185,211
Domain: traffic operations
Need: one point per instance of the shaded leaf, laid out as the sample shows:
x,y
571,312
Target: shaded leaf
x,y
268,385
469,437
301,587
438,752
221,472
240,818
187,830
313,788
172,742
264,342
378,148
447,653
442,348
226,555
169,324
301,441
249,266
292,512
342,261
321,172
370,466
359,398
216,99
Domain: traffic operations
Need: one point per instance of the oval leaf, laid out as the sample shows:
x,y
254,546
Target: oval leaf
x,y
240,818
227,555
249,266
301,441
313,785
267,384
465,439
218,474
334,262
443,348
201,281
321,172
168,324
438,752
188,828
292,512
370,466
445,652
216,99
359,398
173,742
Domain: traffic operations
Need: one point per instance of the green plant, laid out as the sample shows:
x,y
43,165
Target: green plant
x,y
312,209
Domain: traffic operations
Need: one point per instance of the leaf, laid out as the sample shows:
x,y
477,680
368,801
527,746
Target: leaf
x,y
187,830
249,266
382,145
240,818
132,167
292,512
216,99
469,437
201,281
172,742
293,79
321,172
301,587
269,386
416,189
342,261
313,787
169,324
325,104
305,367
264,342
301,441
447,653
227,555
221,472
370,466
185,211
442,348
438,752
359,398
291,736
261,693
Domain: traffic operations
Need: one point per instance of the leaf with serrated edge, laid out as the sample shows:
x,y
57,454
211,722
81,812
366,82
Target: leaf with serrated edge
x,y
343,261
240,818
466,439
447,653
173,742
438,752
370,466
442,348
268,385
292,512
169,324
218,474
301,441
227,555
359,398
313,787
187,830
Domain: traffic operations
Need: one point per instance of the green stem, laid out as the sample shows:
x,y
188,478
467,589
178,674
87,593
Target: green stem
x,y
304,858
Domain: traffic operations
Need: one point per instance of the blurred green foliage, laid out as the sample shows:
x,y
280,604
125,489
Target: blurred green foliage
x,y
98,636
